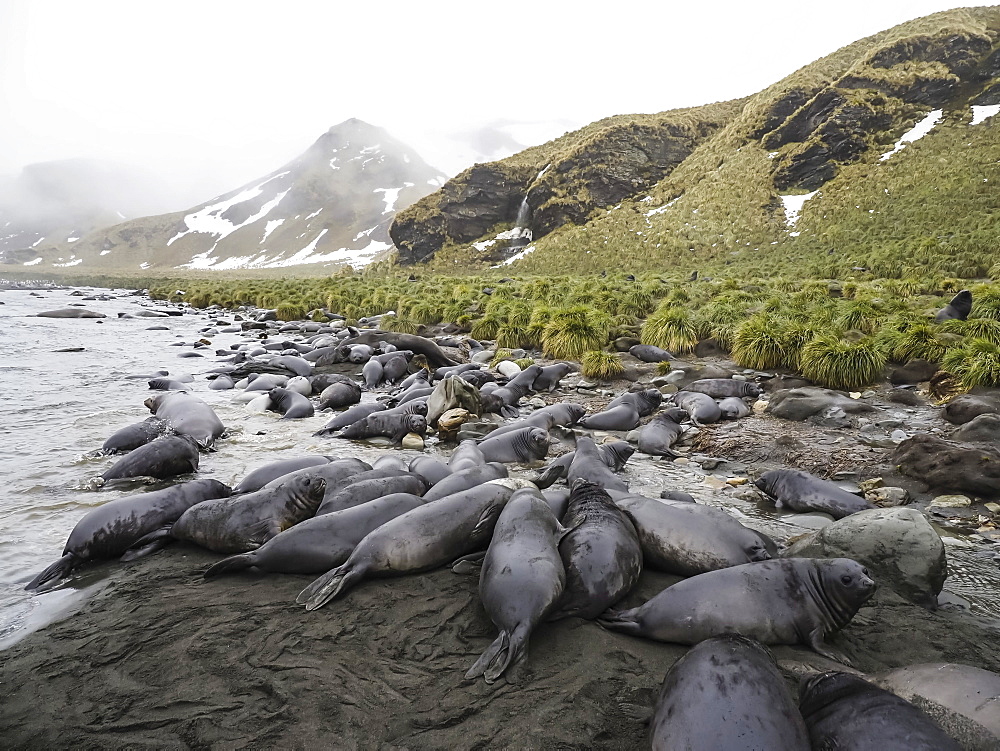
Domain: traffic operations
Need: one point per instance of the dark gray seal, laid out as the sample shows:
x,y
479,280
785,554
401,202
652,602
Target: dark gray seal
x,y
321,543
112,528
395,368
335,474
187,415
166,384
70,313
658,436
601,553
431,469
339,395
719,388
291,405
349,417
263,475
549,376
242,522
371,488
614,454
422,539
588,465
678,542
561,415
522,446
466,454
801,491
417,344
701,408
293,364
787,601
733,408
958,309
619,417
133,436
393,426
727,693
163,458
372,374
521,581
649,353
844,711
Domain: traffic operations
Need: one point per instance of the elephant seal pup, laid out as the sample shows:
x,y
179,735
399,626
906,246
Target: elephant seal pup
x,y
701,408
621,417
349,417
422,539
112,528
431,469
167,384
719,388
522,446
335,474
645,401
722,520
649,353
465,479
549,376
133,436
801,491
727,693
239,523
678,542
467,454
787,601
372,374
187,415
321,543
338,395
362,491
395,368
845,711
959,308
657,437
291,405
588,465
70,313
378,425
733,408
416,344
263,475
601,553
163,458
521,581
614,455
562,415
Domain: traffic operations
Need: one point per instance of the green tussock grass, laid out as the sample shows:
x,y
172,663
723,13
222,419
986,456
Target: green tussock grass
x,y
572,331
670,327
976,363
839,363
601,365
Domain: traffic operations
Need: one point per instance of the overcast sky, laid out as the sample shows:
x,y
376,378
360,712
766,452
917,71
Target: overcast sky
x,y
212,94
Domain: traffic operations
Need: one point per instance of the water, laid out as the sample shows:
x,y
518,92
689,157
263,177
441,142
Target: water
x,y
58,408
521,234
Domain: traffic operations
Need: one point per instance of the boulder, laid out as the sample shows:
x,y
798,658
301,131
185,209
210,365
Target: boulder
x,y
898,545
914,371
906,397
965,408
983,428
803,403
950,466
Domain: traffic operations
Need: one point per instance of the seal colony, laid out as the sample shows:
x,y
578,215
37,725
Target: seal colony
x,y
588,550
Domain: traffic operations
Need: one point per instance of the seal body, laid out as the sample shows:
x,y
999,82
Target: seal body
x,y
844,711
719,388
563,415
263,475
521,580
801,491
726,693
338,395
349,417
467,454
621,417
658,436
959,308
163,458
649,353
290,404
549,376
788,601
646,401
522,446
614,455
464,479
601,554
112,528
187,415
134,436
393,426
369,489
702,408
733,408
70,313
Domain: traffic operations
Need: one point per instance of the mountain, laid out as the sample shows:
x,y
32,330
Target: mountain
x,y
880,158
328,207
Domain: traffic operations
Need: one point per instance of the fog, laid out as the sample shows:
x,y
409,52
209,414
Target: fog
x,y
205,97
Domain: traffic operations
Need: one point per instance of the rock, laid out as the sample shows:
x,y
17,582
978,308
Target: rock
x,y
898,436
449,423
537,402
898,545
736,481
739,377
478,429
625,343
802,403
965,408
682,460
888,496
588,385
660,381
674,377
413,441
669,389
834,417
868,485
949,466
711,463
907,397
508,368
914,371
951,501
713,482
708,348
760,406
783,383
983,428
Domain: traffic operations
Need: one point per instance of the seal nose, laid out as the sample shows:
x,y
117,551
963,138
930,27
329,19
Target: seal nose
x,y
869,583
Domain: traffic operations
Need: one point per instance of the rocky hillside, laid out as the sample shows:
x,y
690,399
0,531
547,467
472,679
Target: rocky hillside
x,y
329,207
879,158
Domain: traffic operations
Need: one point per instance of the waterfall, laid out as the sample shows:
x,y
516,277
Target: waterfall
x,y
520,235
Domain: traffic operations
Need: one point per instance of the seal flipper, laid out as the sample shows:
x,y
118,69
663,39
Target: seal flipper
x,y
512,656
58,570
230,564
493,652
148,544
468,564
328,586
617,620
815,641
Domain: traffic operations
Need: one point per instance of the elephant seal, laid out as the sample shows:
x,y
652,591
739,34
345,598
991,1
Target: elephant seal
x,y
239,523
133,436
845,711
113,527
335,474
657,437
721,519
338,395
163,458
263,475
967,690
377,425
522,446
614,455
293,364
419,540
221,383
417,344
362,491
733,408
787,601
187,415
649,353
291,405
166,384
678,542
464,479
645,401
321,543
395,368
549,376
521,581
264,382
959,308
322,381
349,417
563,415
601,553
620,417
372,374
701,408
801,491
719,388
727,693
467,454
431,469
70,313
588,465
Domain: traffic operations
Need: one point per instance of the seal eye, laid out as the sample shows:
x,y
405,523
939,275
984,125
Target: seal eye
x,y
846,579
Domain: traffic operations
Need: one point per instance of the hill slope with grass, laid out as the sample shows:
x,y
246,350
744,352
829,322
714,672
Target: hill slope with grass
x,y
329,207
880,158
